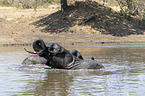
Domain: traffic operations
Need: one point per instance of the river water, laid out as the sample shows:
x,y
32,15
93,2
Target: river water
x,y
124,73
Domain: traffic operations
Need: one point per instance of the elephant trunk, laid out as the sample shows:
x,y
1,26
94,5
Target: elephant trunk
x,y
41,49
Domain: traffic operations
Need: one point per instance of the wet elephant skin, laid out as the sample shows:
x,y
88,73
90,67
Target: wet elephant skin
x,y
55,56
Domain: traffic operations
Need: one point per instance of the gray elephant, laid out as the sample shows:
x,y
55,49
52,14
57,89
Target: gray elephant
x,y
55,56
34,59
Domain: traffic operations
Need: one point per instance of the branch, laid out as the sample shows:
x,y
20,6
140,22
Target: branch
x,y
92,16
135,8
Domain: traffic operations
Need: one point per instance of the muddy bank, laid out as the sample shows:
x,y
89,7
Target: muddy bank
x,y
20,27
81,43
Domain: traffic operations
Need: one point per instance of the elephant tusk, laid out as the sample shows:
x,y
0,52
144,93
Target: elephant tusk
x,y
29,51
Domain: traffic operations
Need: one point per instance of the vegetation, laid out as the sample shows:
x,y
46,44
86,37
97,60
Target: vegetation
x,y
127,7
26,4
132,7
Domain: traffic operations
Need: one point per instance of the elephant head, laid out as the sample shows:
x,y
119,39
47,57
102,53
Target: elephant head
x,y
56,55
41,49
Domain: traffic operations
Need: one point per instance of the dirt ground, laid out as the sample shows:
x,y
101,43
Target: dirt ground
x,y
23,26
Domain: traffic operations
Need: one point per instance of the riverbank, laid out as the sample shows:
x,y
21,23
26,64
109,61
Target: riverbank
x,y
18,28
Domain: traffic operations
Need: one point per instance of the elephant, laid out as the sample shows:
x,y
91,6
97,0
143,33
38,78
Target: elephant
x,y
56,56
34,59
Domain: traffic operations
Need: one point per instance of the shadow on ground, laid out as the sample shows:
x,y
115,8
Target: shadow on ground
x,y
105,20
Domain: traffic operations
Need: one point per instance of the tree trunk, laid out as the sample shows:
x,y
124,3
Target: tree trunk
x,y
64,5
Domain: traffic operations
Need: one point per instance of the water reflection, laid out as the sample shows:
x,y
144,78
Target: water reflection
x,y
57,82
54,83
124,74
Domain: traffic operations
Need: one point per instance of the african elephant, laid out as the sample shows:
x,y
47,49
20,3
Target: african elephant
x,y
34,59
58,57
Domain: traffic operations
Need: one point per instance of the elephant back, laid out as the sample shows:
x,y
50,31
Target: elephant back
x,y
88,64
34,59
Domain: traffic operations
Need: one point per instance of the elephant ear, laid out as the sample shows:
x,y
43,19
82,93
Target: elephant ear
x,y
59,49
55,48
40,47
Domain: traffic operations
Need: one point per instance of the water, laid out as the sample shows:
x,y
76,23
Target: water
x,y
124,74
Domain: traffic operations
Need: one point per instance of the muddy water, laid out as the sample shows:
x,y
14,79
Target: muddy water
x,y
124,73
